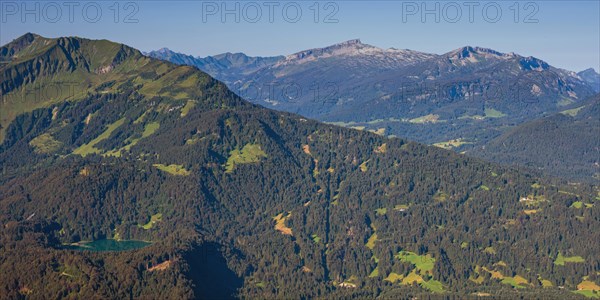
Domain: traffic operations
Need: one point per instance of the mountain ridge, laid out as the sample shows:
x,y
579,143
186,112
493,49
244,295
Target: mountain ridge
x,y
84,66
591,77
225,66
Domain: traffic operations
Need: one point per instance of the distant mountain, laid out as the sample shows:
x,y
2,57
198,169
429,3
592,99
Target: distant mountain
x,y
469,95
591,77
175,57
139,178
566,144
319,82
357,54
227,67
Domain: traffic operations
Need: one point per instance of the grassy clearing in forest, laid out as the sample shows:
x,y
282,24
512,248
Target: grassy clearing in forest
x,y
90,147
393,277
316,239
424,263
572,112
489,250
440,196
250,153
561,260
495,274
381,149
149,129
153,219
173,169
588,289
577,204
371,242
412,277
517,281
188,106
588,293
280,223
401,207
492,113
45,143
378,131
363,167
452,144
381,211
433,286
546,283
431,118
588,285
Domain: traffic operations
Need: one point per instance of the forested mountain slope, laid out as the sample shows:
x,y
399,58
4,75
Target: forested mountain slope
x,y
566,144
239,200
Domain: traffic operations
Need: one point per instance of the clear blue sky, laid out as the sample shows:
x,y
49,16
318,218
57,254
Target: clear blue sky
x,y
566,34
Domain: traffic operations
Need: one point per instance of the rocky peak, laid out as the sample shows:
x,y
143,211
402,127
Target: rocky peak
x,y
469,51
531,63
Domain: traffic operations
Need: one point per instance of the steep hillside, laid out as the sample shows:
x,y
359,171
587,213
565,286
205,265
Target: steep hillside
x,y
566,144
239,200
52,71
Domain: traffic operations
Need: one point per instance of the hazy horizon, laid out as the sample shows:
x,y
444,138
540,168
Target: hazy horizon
x,y
557,32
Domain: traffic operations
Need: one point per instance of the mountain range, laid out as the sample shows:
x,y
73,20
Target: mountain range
x,y
227,67
360,84
459,100
125,176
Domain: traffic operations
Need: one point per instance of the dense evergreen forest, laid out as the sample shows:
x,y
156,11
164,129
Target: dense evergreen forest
x,y
564,145
241,201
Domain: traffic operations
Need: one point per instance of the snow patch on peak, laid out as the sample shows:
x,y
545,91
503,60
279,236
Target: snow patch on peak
x,y
357,50
468,51
345,48
350,43
164,50
533,64
469,54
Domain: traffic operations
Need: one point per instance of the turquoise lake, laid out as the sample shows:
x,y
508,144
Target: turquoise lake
x,y
109,245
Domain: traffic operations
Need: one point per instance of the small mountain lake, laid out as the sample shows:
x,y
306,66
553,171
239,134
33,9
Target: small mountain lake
x,y
108,245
